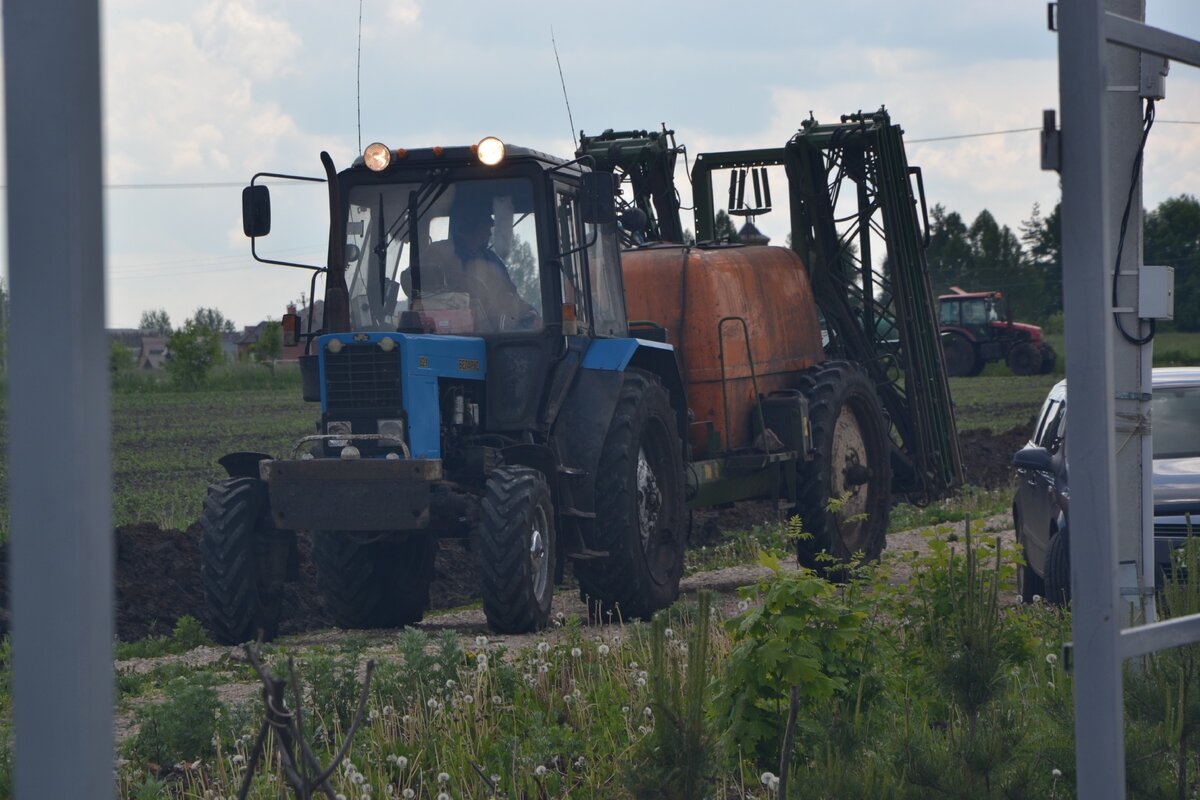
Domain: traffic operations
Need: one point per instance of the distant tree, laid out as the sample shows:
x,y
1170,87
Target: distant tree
x,y
1042,237
949,251
193,350
269,346
724,229
213,320
1172,238
120,358
155,322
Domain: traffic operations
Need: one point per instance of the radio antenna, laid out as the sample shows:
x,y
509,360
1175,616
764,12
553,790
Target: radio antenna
x,y
358,78
564,87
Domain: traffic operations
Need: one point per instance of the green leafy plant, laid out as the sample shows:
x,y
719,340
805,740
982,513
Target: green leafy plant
x,y
798,634
181,727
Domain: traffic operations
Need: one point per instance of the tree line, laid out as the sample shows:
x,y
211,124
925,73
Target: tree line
x,y
1027,265
194,348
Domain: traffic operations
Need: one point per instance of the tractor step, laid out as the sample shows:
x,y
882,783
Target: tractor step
x,y
588,555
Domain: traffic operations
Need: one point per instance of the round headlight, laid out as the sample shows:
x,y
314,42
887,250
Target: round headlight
x,y
387,344
377,157
490,151
334,346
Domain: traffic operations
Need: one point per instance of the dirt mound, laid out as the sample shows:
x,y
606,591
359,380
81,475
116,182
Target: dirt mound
x,y
987,456
158,581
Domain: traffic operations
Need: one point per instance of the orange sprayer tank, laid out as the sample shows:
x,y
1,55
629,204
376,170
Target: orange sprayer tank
x,y
689,290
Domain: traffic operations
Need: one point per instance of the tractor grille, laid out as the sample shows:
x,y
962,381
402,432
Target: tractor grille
x,y
362,377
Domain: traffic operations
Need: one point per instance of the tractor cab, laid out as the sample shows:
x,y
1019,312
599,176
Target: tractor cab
x,y
472,241
977,312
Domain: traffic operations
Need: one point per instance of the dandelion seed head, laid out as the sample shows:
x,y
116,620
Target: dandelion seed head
x,y
481,663
443,777
443,796
401,762
468,699
743,605
238,758
1037,598
543,648
357,779
388,711
539,770
648,711
432,702
641,681
1056,772
408,794
602,649
766,778
624,709
669,633
372,714
497,699
450,683
543,668
481,641
1051,658
576,652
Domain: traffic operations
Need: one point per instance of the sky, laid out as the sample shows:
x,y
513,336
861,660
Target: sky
x,y
199,96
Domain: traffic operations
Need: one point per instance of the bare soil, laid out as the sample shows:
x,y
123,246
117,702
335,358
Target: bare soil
x,y
158,571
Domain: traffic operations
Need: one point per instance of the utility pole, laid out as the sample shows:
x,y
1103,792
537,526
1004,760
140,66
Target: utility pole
x,y
1131,362
61,566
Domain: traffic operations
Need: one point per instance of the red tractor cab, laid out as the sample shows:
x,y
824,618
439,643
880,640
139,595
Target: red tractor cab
x,y
976,328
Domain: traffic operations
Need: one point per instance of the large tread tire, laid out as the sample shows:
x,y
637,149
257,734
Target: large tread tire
x,y
1058,568
850,459
374,584
1049,359
961,358
640,515
517,550
243,583
1024,359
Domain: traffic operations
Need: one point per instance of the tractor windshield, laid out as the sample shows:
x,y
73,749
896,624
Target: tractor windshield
x,y
462,254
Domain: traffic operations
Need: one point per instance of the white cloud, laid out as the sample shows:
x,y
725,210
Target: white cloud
x,y
404,12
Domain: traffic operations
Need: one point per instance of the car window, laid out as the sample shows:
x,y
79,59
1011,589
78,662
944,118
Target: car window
x,y
1175,413
1049,409
1051,434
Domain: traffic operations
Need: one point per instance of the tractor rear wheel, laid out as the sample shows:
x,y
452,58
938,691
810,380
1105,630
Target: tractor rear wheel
x,y
961,358
845,488
243,561
374,584
516,550
1024,359
640,518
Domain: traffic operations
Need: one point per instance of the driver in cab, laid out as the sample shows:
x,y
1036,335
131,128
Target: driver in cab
x,y
465,262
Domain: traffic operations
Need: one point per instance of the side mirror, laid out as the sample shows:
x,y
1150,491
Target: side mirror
x,y
597,200
1034,458
291,328
256,211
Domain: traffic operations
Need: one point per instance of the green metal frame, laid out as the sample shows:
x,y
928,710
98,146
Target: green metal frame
x,y
883,319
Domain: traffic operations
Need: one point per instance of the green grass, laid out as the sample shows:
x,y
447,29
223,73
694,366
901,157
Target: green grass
x,y
998,402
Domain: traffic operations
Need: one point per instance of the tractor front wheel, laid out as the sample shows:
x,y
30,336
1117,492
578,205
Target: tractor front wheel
x,y
1024,359
845,488
640,517
516,550
243,561
374,584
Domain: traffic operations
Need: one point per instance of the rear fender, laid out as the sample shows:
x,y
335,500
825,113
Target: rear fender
x,y
242,464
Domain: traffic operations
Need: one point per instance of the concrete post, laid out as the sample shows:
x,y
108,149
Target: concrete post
x,y
61,566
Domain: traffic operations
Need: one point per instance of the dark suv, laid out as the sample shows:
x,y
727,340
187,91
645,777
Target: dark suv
x,y
1042,501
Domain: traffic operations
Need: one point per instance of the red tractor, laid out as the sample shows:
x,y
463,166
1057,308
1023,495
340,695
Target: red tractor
x,y
976,328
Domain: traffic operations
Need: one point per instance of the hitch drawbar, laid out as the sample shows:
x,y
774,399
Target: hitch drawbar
x,y
337,494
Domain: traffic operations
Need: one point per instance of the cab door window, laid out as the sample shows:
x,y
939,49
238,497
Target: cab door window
x,y
572,256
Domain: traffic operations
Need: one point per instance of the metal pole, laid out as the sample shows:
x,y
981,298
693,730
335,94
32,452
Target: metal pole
x,y
1099,724
58,420
1123,113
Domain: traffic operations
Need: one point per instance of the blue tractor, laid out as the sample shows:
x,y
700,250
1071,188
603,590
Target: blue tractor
x,y
476,379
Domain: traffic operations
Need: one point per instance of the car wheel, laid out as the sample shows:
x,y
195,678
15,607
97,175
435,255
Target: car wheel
x,y
1058,569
